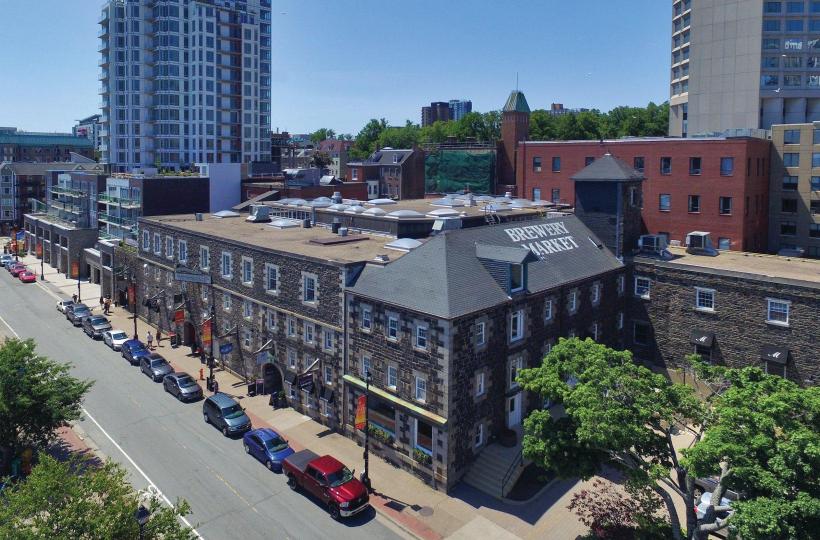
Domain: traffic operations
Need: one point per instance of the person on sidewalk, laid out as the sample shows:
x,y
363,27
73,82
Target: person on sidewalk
x,y
159,336
74,298
102,303
216,386
149,339
107,309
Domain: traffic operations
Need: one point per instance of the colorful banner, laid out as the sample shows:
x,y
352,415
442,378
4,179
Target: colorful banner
x,y
360,413
132,296
206,333
75,269
179,316
38,249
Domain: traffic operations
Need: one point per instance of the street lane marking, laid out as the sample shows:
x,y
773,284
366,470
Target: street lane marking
x,y
10,328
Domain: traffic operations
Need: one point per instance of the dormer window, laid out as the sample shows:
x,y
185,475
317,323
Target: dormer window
x,y
516,277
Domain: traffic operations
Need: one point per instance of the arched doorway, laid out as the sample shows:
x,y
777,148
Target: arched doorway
x,y
272,378
188,333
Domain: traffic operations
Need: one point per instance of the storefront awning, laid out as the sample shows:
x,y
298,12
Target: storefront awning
x,y
702,338
404,404
770,353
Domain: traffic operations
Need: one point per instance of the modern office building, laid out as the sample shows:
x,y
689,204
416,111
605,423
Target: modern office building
x,y
16,145
794,190
90,128
185,82
437,111
459,108
743,64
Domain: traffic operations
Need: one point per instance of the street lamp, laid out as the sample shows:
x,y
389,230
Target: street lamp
x,y
141,515
365,478
42,259
210,383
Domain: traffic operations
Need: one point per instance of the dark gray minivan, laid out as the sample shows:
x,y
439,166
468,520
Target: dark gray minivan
x,y
226,414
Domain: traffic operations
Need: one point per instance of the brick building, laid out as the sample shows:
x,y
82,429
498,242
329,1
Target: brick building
x,y
718,184
16,145
397,174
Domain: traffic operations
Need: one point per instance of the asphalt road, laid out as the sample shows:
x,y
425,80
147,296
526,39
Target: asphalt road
x,y
154,436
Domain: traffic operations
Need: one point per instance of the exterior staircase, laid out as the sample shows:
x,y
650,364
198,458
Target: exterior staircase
x,y
496,470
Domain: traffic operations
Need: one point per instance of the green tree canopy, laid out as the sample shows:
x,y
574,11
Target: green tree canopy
x,y
366,139
322,134
37,396
77,500
649,121
759,436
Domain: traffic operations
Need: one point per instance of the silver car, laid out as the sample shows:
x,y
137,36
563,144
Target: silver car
x,y
115,339
183,386
155,366
63,304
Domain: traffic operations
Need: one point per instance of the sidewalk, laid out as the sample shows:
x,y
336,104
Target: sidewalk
x,y
428,514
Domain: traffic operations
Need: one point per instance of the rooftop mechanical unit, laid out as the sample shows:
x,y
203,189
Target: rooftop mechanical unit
x,y
699,243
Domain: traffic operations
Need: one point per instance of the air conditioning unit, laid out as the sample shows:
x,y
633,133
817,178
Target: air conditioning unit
x,y
652,243
699,243
259,213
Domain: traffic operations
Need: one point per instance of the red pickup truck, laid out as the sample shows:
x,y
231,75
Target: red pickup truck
x,y
327,479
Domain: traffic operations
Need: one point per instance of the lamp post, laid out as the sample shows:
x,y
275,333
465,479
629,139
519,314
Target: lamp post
x,y
365,478
141,515
42,259
79,298
210,382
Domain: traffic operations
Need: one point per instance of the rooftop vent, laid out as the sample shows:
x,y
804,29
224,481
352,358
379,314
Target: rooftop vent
x,y
405,214
198,216
699,243
285,223
225,214
337,197
354,210
259,213
374,212
338,207
403,244
443,212
448,202
378,202
446,224
297,202
382,258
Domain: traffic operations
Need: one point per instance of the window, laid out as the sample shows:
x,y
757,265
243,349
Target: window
x,y
727,166
270,319
794,7
695,165
642,287
183,251
479,384
328,374
791,159
789,183
724,243
291,359
365,367
704,299
271,279
309,332
771,44
169,247
226,301
816,134
548,310
621,284
392,377
620,322
725,204
596,293
227,263
515,367
517,325
536,164
815,183
778,311
146,240
324,407
291,327
555,195
638,163
788,206
247,271
392,328
664,202
572,302
247,338
556,164
595,331
479,436
421,389
694,203
327,341
157,244
794,25
367,318
666,165
516,277
421,336
771,25
247,309
788,228
641,333
814,232
204,258
308,289
480,336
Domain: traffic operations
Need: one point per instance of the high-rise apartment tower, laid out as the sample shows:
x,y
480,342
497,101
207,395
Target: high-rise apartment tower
x,y
185,81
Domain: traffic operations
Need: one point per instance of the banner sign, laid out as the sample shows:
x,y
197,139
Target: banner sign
x,y
132,296
179,316
306,381
206,333
183,273
225,348
360,412
38,249
548,238
262,357
75,269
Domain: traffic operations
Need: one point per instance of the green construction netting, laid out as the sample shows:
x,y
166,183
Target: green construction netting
x,y
448,171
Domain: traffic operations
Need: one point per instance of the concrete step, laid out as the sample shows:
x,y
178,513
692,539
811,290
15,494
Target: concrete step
x,y
490,467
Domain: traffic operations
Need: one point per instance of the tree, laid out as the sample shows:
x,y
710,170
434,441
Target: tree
x,y
75,499
37,396
320,159
759,435
322,134
366,139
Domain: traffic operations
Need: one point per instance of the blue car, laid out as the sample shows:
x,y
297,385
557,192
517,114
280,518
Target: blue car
x,y
267,446
133,350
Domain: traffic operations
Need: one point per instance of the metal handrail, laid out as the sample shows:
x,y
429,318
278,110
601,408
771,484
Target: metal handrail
x,y
517,462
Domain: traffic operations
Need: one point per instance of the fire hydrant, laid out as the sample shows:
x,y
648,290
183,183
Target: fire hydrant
x,y
201,374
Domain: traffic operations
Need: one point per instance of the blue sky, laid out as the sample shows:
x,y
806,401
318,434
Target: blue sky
x,y
339,63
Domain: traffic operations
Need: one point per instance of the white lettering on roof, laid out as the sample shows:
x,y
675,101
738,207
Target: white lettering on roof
x,y
545,231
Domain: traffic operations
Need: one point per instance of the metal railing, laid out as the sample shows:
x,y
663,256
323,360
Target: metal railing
x,y
122,201
517,462
70,192
116,220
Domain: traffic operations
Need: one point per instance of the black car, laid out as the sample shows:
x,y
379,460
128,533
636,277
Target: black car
x,y
183,386
95,326
75,313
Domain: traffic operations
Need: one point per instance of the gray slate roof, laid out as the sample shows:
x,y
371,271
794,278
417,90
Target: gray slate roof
x,y
607,167
445,278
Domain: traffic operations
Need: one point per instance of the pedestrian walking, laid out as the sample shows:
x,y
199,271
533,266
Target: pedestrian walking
x,y
74,298
107,309
149,339
159,336
216,386
194,347
102,303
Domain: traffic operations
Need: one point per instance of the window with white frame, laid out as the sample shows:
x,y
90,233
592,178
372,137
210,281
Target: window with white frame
x,y
226,301
595,331
308,399
548,310
517,325
247,309
328,374
308,288
620,320
309,332
204,294
169,247
146,241
169,277
227,264
246,338
183,251
515,367
270,319
157,244
204,258
367,318
365,367
392,327
778,311
704,299
292,359
157,273
642,287
327,341
247,271
392,377
479,435
480,334
324,407
421,336
621,284
292,393
271,279
291,327
572,302
421,389
596,293
479,384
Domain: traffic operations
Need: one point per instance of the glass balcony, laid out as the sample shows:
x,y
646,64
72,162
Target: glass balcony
x,y
115,220
119,201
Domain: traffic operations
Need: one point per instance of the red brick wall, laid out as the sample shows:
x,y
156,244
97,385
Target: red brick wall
x,y
746,226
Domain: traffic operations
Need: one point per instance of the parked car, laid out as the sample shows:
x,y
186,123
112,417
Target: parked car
x,y
267,446
27,277
75,313
155,366
63,304
10,262
6,258
16,269
95,326
115,338
708,484
134,350
183,386
327,479
225,414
